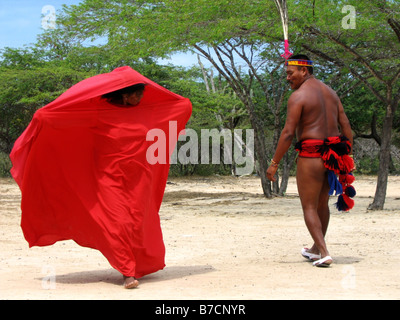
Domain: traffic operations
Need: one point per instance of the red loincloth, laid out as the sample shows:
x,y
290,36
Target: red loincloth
x,y
334,152
82,169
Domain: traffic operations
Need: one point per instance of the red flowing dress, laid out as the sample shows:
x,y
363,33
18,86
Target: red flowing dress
x,y
83,171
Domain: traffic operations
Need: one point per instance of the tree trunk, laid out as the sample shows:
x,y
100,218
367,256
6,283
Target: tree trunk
x,y
259,148
384,161
289,161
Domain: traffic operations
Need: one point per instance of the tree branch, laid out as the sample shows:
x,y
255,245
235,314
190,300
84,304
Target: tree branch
x,y
352,52
395,25
341,63
215,64
374,133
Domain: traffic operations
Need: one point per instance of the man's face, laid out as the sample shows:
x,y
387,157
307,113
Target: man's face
x,y
295,76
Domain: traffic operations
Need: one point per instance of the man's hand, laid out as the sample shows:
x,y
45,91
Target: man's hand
x,y
271,173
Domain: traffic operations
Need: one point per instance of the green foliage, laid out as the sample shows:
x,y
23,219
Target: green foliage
x,y
28,84
30,81
5,165
97,36
368,165
157,28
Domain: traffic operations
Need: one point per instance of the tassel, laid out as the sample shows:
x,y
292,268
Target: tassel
x,y
349,202
287,53
330,161
344,203
340,204
348,163
350,191
346,179
335,186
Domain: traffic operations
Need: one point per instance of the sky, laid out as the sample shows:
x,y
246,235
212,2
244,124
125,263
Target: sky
x,y
21,21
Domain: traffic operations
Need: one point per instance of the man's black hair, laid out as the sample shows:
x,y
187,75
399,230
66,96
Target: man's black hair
x,y
117,95
302,57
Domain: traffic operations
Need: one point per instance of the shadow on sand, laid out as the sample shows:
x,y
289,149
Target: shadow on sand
x,y
112,276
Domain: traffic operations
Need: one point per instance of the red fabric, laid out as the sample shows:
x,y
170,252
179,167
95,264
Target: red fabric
x,y
315,148
310,148
82,169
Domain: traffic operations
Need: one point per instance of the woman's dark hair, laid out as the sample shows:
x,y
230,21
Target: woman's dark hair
x,y
303,57
117,95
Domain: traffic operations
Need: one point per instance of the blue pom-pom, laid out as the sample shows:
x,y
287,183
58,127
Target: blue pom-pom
x,y
350,191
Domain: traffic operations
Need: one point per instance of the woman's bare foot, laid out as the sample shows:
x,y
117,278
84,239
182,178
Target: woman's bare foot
x,y
130,282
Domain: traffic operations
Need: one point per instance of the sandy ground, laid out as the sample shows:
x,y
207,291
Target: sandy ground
x,y
224,240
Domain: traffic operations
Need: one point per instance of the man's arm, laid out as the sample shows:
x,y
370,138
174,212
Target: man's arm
x,y
345,127
294,109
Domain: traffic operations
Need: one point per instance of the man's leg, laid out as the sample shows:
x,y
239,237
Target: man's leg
x,y
323,211
311,184
323,205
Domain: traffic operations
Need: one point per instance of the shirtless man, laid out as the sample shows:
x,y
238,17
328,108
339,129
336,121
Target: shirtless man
x,y
314,111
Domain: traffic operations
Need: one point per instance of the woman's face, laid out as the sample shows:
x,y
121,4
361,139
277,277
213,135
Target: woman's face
x,y
132,99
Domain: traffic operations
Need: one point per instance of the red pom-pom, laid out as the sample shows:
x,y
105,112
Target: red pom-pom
x,y
347,163
344,203
346,178
349,202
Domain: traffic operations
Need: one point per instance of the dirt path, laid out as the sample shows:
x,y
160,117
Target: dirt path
x,y
224,240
